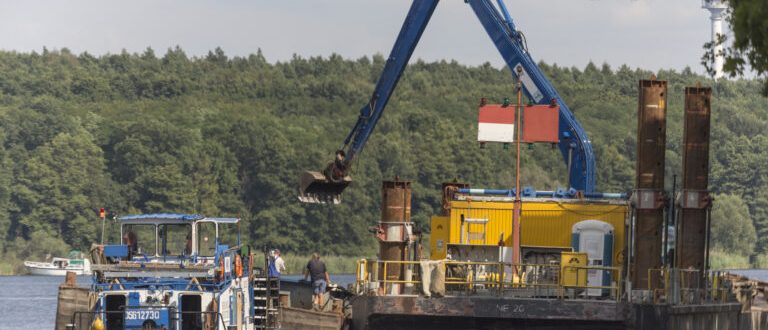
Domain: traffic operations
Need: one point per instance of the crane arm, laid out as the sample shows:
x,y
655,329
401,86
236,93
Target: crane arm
x,y
326,187
410,34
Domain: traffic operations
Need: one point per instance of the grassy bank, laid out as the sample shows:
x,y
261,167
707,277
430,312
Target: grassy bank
x,y
7,269
9,265
719,259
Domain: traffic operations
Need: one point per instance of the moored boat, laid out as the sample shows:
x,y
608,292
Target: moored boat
x,y
60,266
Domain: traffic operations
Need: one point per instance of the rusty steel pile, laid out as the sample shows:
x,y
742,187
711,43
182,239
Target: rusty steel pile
x,y
395,231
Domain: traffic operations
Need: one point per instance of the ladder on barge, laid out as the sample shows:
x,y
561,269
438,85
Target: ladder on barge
x,y
266,302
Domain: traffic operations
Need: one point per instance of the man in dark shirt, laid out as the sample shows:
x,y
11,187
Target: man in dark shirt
x,y
130,239
320,278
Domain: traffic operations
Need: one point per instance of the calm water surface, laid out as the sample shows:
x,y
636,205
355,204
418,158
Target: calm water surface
x,y
29,302
755,274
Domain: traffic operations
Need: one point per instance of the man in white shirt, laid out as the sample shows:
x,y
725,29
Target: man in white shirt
x,y
279,263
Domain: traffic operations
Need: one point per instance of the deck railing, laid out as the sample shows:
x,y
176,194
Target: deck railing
x,y
174,276
491,278
686,286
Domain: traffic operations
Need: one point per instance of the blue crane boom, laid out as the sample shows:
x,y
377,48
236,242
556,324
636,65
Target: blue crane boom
x,y
574,145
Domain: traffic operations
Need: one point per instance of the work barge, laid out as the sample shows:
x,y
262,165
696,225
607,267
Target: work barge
x,y
526,259
586,261
556,286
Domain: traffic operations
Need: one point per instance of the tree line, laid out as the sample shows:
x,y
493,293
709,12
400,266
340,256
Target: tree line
x,y
229,136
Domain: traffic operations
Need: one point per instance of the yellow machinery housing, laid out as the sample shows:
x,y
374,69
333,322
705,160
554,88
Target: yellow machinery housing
x,y
544,223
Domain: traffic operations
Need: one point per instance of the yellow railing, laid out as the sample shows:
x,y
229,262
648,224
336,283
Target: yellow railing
x,y
494,277
614,273
685,286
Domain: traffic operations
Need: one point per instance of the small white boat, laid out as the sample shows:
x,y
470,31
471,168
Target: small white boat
x,y
60,266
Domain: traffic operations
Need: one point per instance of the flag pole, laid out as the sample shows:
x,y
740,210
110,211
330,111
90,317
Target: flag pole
x,y
518,202
103,217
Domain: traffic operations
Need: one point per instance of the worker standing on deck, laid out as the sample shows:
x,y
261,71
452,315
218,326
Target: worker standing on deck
x,y
188,245
320,279
276,264
130,239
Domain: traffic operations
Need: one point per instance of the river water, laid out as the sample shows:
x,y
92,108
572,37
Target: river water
x,y
755,274
29,302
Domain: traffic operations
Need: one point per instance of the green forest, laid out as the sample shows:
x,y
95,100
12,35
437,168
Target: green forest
x,y
229,136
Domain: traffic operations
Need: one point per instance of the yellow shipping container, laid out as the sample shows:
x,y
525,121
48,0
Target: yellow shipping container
x,y
543,223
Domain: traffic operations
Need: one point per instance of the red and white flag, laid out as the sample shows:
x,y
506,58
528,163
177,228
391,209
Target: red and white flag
x,y
496,123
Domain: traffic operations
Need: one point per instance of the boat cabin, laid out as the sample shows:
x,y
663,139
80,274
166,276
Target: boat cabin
x,y
170,237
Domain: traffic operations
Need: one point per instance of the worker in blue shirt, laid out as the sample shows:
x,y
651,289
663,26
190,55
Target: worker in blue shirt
x,y
276,264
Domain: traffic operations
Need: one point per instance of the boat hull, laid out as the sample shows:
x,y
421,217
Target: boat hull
x,y
35,269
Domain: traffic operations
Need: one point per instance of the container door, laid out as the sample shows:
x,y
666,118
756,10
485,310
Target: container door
x,y
591,242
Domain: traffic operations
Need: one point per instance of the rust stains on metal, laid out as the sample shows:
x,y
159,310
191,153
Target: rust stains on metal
x,y
694,198
651,146
696,137
651,134
396,201
455,312
449,190
393,228
488,308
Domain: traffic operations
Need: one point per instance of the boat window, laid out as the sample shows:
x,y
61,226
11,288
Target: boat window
x,y
175,240
206,239
141,239
228,234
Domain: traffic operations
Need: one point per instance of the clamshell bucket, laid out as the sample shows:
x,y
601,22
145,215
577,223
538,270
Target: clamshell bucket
x,y
316,188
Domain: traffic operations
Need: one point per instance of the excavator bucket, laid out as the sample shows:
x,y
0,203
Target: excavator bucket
x,y
316,188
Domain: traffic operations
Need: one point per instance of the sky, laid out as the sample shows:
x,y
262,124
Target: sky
x,y
650,34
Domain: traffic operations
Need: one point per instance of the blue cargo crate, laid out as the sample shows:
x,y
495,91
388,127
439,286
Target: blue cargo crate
x,y
116,251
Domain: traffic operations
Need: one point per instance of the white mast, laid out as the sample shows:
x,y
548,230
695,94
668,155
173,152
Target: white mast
x,y
717,10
